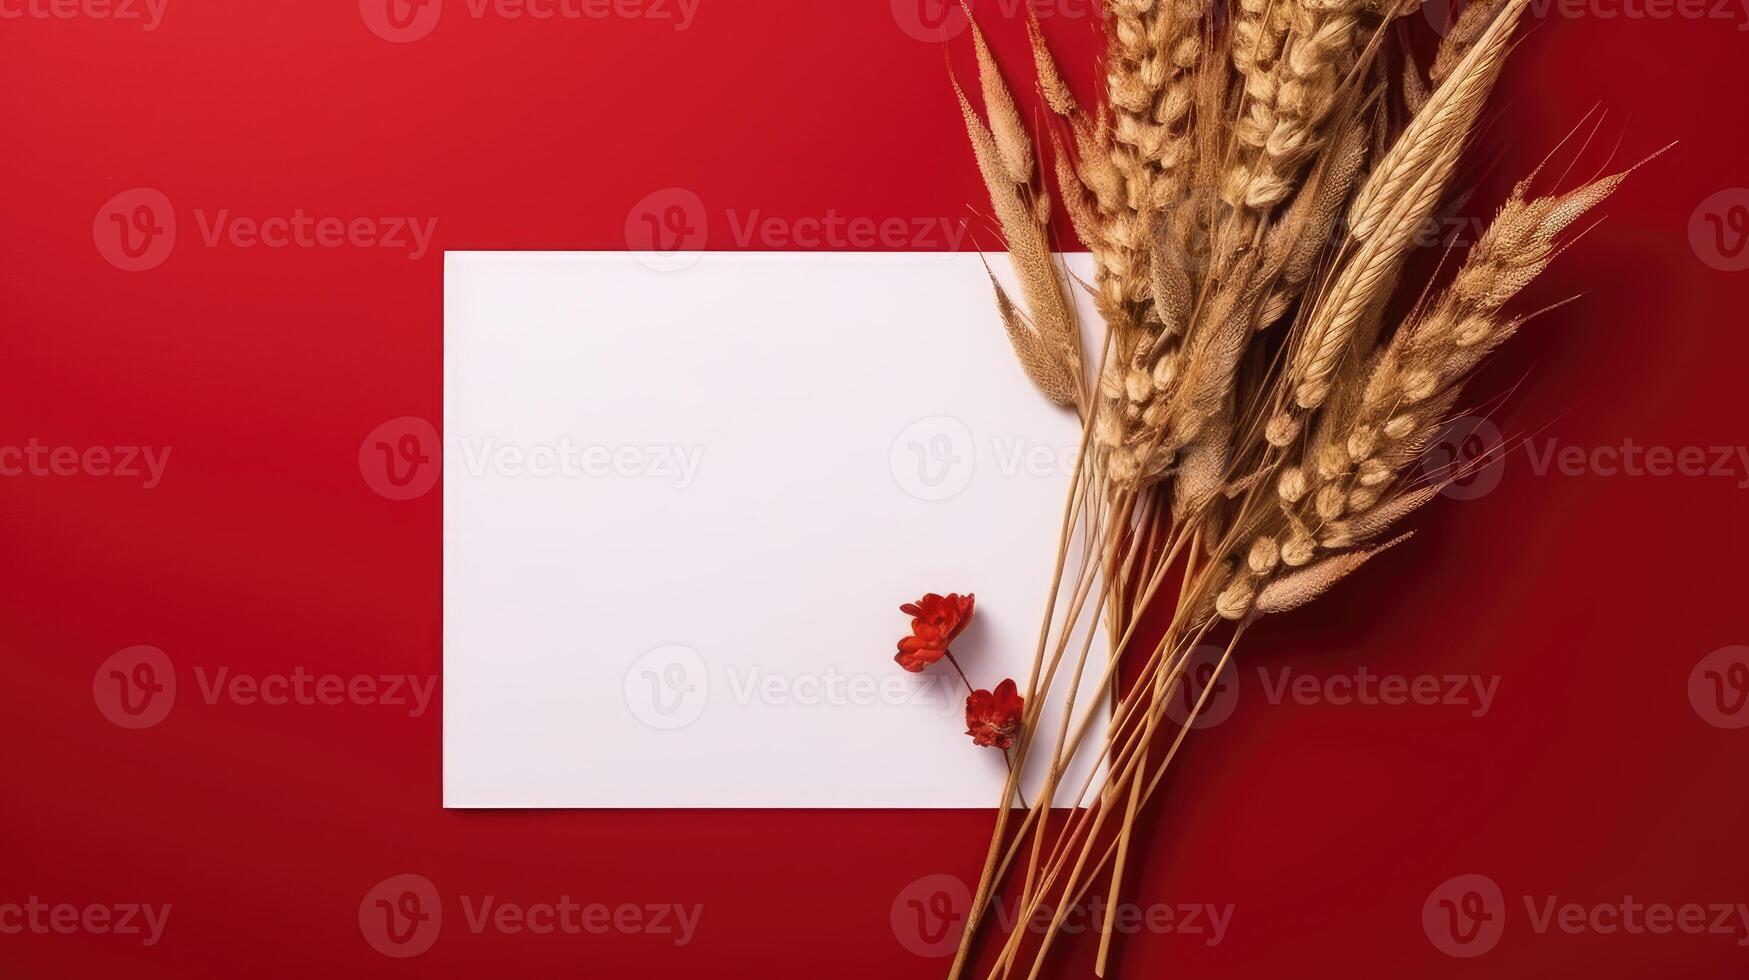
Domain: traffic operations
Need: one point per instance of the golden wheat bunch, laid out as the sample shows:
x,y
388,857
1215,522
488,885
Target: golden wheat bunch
x,y
1251,188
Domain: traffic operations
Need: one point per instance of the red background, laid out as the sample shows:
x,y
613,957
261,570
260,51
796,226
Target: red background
x,y
1592,598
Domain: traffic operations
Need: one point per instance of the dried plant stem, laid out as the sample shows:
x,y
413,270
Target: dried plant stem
x,y
1132,791
1086,833
1047,793
1251,196
1081,731
1174,664
1080,482
1171,753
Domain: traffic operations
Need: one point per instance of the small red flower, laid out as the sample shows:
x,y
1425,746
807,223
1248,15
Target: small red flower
x,y
935,621
993,718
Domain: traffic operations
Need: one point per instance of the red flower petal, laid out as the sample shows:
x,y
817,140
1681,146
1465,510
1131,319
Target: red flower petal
x,y
916,653
935,621
993,717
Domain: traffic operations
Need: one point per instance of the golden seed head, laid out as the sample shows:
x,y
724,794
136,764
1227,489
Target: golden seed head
x,y
1138,385
1362,499
1332,461
1165,370
1281,430
1419,385
1235,600
1473,332
1265,554
1111,383
1399,427
1337,535
1362,442
1291,486
1299,550
1330,501
1108,429
1123,467
1374,472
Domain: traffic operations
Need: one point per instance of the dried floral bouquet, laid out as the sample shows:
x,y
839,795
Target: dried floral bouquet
x,y
1251,188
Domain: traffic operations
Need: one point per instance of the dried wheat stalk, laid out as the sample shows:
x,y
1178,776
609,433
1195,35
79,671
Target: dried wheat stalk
x,y
1250,187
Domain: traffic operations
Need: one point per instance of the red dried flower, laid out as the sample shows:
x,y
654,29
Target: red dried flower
x,y
993,718
935,621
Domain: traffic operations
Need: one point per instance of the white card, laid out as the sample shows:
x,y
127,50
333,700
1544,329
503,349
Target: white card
x,y
682,507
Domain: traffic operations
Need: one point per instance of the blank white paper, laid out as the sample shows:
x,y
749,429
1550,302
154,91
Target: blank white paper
x,y
683,502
